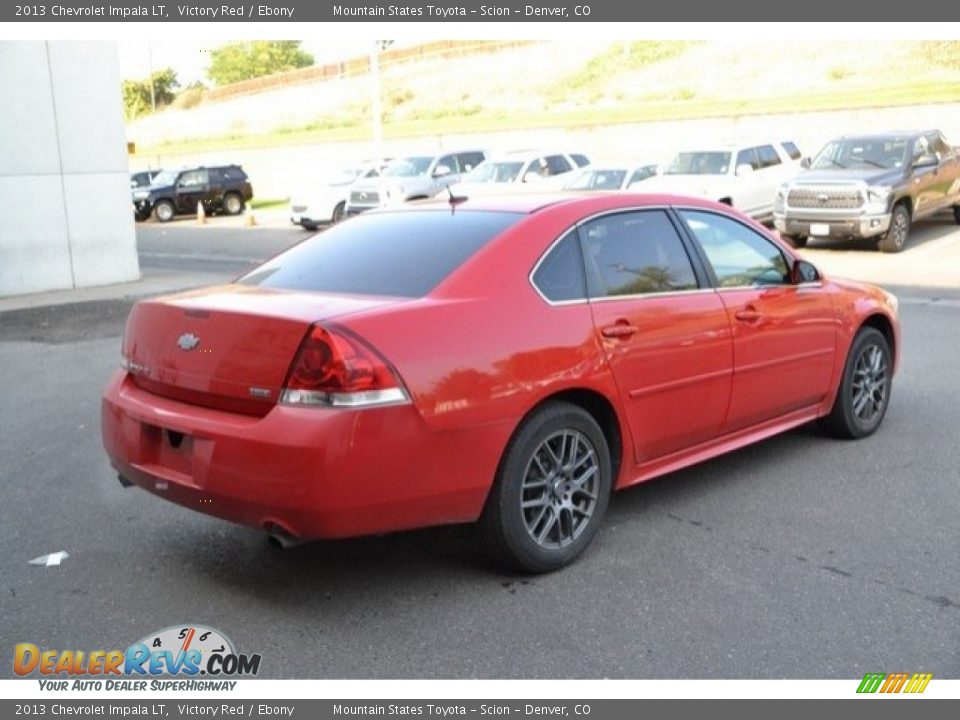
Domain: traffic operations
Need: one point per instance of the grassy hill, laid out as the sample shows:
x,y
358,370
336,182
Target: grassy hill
x,y
564,84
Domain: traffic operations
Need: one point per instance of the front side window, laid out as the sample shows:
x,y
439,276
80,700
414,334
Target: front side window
x,y
470,160
408,167
635,253
641,174
598,180
748,157
768,156
699,163
560,274
557,165
739,255
792,150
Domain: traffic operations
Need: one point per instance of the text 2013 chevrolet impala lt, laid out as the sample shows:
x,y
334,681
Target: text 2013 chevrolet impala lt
x,y
507,360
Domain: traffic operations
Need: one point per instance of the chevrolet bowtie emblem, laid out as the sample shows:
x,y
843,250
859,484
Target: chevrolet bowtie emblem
x,y
188,341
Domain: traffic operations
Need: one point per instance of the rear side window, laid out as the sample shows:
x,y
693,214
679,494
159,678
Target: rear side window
x,y
792,150
401,254
635,253
560,274
233,174
768,156
580,160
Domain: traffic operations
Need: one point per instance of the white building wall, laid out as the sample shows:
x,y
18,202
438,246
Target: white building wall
x,y
65,215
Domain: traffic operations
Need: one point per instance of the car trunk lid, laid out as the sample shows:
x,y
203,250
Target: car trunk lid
x,y
228,347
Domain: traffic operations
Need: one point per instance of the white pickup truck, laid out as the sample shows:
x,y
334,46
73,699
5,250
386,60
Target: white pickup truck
x,y
746,175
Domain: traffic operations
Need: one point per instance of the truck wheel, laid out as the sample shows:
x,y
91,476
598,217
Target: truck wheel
x,y
956,214
338,212
164,211
894,240
796,241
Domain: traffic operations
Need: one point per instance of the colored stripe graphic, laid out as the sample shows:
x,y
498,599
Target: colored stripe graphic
x,y
871,682
894,683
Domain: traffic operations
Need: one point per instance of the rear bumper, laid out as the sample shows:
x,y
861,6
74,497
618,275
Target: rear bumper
x,y
315,473
856,226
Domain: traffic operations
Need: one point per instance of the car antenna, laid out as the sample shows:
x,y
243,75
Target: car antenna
x,y
455,199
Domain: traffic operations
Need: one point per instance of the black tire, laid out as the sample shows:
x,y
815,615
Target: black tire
x,y
164,211
796,241
338,212
232,204
956,214
141,216
895,239
309,226
845,420
559,503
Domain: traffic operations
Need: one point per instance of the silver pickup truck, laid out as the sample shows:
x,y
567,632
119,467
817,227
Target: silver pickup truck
x,y
870,186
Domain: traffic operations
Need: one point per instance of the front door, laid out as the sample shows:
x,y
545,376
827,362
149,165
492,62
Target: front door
x,y
784,335
666,336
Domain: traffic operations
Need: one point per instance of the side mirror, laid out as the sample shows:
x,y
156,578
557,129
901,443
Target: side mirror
x,y
803,272
806,162
441,170
744,169
926,160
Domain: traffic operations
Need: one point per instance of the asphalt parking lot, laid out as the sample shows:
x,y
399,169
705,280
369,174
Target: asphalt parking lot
x,y
800,557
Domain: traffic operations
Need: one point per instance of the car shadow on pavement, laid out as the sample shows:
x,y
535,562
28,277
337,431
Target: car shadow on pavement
x,y
440,556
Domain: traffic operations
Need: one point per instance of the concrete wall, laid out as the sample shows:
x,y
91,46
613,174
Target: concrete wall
x,y
65,215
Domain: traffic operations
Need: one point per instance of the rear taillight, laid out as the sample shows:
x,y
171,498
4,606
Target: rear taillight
x,y
334,368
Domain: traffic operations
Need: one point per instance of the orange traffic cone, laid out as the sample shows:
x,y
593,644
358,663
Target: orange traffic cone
x,y
201,214
249,219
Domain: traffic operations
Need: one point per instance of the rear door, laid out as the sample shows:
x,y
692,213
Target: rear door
x,y
784,335
665,335
746,196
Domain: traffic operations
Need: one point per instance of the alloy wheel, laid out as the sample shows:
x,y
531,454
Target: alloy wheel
x,y
869,387
560,489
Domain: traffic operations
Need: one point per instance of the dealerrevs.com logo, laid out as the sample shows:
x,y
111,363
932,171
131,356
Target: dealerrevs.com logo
x,y
180,651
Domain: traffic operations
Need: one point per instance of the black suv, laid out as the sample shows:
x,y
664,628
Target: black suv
x,y
224,188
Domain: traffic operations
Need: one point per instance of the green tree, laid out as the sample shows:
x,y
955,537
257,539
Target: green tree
x,y
244,60
136,93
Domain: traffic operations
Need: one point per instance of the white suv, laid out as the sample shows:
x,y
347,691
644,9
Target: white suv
x,y
746,176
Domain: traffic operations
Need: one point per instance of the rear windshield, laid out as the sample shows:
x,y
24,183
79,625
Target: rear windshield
x,y
401,254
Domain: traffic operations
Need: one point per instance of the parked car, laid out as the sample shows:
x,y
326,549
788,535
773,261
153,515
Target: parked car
x,y
745,176
224,188
613,177
417,177
523,169
143,178
507,360
871,186
326,203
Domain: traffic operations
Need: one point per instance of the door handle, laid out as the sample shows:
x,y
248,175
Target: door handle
x,y
748,314
619,330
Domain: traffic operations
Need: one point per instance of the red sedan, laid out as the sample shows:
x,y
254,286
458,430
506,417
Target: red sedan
x,y
507,360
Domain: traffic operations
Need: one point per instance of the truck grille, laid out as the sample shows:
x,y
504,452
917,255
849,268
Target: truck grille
x,y
827,198
365,197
